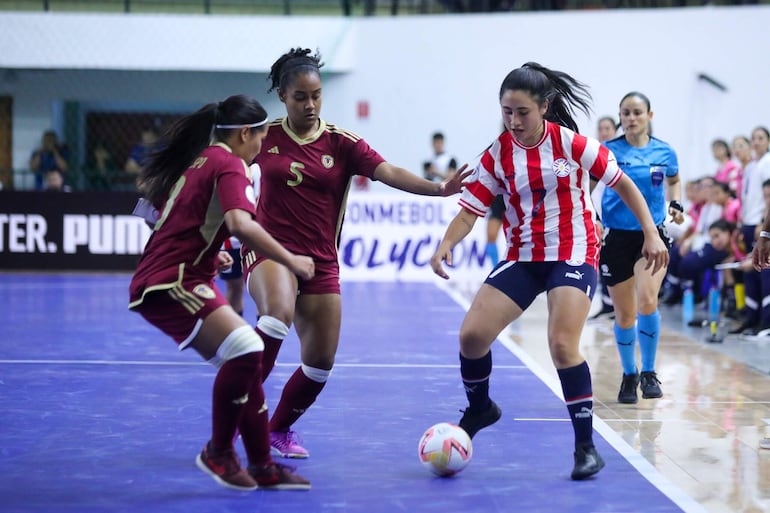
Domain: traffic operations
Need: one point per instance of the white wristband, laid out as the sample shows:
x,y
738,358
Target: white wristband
x,y
765,235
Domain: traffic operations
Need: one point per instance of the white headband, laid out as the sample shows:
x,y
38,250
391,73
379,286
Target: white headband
x,y
253,125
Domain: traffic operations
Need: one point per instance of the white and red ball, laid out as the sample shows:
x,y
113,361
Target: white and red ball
x,y
445,449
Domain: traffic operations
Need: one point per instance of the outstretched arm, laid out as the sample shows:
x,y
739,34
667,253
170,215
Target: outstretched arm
x,y
400,178
457,230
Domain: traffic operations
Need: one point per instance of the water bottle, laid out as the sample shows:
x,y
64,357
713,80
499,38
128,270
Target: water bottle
x,y
714,305
714,309
688,306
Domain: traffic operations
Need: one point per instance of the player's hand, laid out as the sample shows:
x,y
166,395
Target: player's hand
x,y
760,255
303,266
454,183
224,261
438,257
655,252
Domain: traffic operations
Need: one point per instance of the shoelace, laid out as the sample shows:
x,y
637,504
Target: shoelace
x,y
293,437
653,376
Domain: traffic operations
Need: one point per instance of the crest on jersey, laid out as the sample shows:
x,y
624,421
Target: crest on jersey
x,y
204,291
561,167
327,161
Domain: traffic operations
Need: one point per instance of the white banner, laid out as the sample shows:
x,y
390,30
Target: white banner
x,y
391,236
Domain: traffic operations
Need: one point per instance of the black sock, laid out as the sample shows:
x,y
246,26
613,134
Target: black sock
x,y
576,386
475,374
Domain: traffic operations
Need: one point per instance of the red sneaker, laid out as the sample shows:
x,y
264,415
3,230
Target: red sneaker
x,y
275,476
225,468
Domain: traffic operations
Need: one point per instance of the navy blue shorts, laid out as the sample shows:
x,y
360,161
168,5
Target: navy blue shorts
x,y
523,281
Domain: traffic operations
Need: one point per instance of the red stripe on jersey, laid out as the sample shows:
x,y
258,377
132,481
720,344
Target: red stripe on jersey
x,y
488,165
564,196
578,147
505,158
479,191
537,223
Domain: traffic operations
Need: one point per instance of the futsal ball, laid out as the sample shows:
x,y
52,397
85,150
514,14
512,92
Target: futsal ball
x,y
445,449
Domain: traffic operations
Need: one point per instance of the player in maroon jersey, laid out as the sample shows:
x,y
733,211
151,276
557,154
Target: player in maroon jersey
x,y
204,193
307,166
541,166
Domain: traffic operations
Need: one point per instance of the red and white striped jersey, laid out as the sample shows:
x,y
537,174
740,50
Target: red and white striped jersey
x,y
549,215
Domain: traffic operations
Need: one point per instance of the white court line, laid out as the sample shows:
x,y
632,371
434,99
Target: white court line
x,y
609,421
644,467
148,362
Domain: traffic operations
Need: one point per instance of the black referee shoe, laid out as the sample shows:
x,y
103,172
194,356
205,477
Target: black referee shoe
x,y
587,463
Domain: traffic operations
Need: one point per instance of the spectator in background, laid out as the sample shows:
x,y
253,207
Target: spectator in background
x,y
442,165
100,167
51,156
741,149
728,171
54,182
753,210
140,152
692,256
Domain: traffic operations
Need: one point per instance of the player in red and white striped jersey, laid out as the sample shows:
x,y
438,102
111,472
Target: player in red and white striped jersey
x,y
541,166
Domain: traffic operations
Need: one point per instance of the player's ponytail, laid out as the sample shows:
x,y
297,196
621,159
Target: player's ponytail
x,y
563,93
189,136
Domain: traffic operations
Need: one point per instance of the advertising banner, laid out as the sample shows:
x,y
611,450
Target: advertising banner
x,y
391,236
386,236
52,231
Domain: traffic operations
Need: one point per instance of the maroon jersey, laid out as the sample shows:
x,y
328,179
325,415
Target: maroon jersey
x,y
304,184
191,229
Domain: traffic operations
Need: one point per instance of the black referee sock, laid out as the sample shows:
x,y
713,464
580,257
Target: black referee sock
x,y
475,375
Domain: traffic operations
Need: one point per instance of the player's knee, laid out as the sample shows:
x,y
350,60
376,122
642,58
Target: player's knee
x,y
471,342
240,341
272,327
316,374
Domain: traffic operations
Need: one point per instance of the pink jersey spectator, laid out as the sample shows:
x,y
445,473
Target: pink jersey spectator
x,y
304,183
730,173
732,210
185,241
552,218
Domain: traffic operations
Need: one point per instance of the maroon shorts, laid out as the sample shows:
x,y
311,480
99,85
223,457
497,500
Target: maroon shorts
x,y
325,281
179,311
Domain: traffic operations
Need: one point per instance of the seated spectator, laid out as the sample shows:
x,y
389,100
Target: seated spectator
x,y
688,270
50,156
728,171
140,151
54,182
100,168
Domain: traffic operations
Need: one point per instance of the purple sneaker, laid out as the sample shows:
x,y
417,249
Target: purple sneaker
x,y
287,445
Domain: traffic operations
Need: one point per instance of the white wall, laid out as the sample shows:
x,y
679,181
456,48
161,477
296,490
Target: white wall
x,y
419,74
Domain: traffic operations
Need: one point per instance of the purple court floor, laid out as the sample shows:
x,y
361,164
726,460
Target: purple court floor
x,y
101,413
